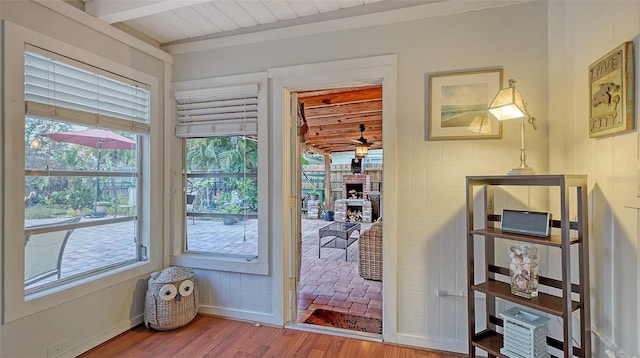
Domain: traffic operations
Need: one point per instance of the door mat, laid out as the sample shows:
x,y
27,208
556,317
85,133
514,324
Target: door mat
x,y
349,321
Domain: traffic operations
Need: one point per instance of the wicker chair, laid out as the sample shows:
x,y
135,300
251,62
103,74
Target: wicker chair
x,y
370,252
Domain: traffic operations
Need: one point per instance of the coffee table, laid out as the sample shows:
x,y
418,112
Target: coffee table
x,y
341,232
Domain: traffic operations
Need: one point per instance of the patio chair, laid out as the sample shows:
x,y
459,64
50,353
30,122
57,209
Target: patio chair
x,y
131,204
370,252
43,253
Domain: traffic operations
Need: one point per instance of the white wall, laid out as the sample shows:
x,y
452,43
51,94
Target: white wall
x,y
93,316
431,174
580,32
430,235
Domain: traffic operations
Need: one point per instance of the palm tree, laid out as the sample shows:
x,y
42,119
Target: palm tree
x,y
240,156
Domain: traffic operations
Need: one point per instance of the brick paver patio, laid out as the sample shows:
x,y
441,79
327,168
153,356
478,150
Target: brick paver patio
x,y
328,282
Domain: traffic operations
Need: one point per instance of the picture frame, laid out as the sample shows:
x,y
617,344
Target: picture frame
x,y
612,92
458,104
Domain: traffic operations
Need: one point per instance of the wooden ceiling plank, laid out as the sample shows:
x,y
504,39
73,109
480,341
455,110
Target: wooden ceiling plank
x,y
342,97
323,92
319,140
354,119
345,132
373,106
335,115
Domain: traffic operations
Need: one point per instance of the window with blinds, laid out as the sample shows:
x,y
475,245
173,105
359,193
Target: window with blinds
x,y
223,123
229,110
60,88
83,168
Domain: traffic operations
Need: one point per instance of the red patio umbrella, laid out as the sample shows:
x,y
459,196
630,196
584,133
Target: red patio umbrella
x,y
94,138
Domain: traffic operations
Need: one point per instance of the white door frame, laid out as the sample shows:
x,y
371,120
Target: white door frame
x,y
335,74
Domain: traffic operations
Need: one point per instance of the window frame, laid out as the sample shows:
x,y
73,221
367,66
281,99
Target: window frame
x,y
16,304
222,262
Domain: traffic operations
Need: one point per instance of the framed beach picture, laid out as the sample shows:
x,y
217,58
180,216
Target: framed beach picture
x,y
458,105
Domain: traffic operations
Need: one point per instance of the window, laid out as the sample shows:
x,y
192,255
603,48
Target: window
x,y
225,157
83,133
222,199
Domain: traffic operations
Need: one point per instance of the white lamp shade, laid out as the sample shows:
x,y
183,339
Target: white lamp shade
x,y
508,104
362,150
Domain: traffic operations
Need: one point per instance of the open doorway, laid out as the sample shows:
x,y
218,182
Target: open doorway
x,y
340,188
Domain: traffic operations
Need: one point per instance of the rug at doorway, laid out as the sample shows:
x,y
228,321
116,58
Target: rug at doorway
x,y
349,321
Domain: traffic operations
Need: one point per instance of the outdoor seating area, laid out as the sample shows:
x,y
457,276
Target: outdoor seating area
x,y
370,252
43,253
332,283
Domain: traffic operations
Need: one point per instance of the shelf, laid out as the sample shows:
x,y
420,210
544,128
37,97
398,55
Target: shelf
x,y
482,246
489,341
530,180
552,240
544,302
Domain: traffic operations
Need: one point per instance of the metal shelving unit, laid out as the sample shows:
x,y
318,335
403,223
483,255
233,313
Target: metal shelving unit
x,y
573,297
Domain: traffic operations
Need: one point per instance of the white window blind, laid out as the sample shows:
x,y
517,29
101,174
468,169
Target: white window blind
x,y
63,89
219,111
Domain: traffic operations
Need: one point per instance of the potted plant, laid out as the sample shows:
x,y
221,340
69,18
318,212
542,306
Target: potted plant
x,y
314,194
231,209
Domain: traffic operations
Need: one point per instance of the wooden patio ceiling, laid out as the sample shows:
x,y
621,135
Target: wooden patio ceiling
x,y
334,116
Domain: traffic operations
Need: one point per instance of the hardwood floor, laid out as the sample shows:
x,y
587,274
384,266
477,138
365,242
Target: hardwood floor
x,y
208,336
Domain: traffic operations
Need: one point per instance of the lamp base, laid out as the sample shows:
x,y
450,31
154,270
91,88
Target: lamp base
x,y
522,171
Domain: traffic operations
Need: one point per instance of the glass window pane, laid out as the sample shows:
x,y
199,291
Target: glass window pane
x,y
222,195
83,178
84,250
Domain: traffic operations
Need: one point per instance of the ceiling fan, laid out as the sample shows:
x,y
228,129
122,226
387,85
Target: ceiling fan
x,y
362,148
362,139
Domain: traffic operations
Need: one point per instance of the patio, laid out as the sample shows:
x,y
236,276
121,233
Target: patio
x,y
328,282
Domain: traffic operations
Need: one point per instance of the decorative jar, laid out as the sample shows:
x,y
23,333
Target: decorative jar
x,y
524,270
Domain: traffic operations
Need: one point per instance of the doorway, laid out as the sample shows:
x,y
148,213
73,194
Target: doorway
x,y
341,157
289,80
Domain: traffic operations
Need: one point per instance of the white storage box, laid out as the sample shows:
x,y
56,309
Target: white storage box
x,y
525,334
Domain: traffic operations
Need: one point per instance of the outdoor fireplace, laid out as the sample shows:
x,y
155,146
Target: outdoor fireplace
x,y
358,185
354,205
354,191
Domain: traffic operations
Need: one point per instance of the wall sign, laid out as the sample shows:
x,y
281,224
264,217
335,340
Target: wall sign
x,y
612,92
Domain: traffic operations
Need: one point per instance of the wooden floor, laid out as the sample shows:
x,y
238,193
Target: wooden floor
x,y
208,336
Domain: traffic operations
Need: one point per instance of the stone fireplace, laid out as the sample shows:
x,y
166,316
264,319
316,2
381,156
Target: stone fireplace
x,y
354,205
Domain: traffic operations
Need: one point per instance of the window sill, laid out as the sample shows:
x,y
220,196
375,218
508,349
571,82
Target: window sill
x,y
221,263
124,273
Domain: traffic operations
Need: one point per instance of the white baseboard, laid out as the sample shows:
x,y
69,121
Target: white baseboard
x,y
100,338
249,316
76,349
447,345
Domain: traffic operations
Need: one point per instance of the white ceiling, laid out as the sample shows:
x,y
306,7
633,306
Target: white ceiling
x,y
166,22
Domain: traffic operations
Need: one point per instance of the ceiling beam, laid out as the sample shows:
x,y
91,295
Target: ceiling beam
x,y
113,11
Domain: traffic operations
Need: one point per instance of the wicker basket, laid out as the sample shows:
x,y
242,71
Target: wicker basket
x,y
171,300
370,252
